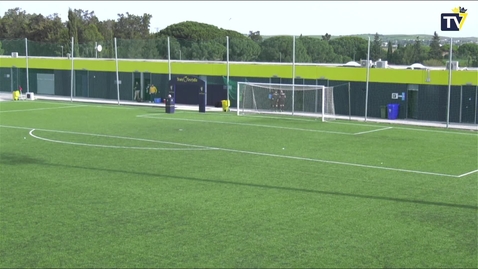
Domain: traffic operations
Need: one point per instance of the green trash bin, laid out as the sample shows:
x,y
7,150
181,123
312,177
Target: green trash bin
x,y
383,112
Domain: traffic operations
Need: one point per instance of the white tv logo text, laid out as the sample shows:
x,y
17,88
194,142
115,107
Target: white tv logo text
x,y
448,21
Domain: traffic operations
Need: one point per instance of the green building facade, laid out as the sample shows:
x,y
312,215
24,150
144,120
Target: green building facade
x,y
426,91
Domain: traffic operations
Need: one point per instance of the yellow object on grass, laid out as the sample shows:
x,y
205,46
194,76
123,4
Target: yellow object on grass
x,y
16,95
225,105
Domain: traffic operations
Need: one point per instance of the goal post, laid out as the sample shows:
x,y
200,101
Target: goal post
x,y
286,99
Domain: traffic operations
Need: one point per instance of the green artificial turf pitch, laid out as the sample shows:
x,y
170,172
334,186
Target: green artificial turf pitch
x,y
85,185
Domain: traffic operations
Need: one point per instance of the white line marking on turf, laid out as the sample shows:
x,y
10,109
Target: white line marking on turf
x,y
243,124
42,108
109,146
335,162
279,117
469,173
108,136
248,152
129,106
75,103
371,131
409,129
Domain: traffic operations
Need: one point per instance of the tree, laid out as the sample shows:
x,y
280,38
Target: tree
x,y
255,36
210,50
398,54
326,37
446,49
435,50
350,46
13,24
279,48
390,51
13,28
48,35
133,38
106,29
194,31
419,53
319,50
469,52
149,49
162,48
413,53
376,48
243,49
132,26
202,41
73,30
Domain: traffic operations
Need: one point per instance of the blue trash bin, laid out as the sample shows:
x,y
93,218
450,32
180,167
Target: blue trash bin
x,y
393,111
157,100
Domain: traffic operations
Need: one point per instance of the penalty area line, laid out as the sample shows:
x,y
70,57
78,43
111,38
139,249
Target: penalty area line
x,y
148,116
254,153
469,173
42,108
371,131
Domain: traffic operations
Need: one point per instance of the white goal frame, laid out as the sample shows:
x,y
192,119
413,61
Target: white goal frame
x,y
327,109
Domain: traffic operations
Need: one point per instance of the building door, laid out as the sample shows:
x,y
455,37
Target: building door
x,y
136,84
146,84
412,104
81,83
468,104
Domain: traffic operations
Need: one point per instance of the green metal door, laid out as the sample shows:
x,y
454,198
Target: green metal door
x,y
412,104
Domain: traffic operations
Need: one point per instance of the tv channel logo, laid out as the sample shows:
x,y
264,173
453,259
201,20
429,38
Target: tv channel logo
x,y
453,21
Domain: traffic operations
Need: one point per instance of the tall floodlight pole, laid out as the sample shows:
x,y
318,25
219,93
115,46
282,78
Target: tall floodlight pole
x,y
449,83
169,59
368,77
227,64
117,73
72,68
26,56
293,74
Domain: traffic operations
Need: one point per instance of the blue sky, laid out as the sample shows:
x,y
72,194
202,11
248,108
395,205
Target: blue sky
x,y
279,17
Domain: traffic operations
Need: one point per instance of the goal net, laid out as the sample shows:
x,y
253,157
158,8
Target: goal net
x,y
286,99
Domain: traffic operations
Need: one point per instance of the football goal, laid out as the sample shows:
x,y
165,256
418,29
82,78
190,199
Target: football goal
x,y
286,99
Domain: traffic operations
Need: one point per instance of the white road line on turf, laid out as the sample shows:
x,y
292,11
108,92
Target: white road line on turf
x,y
371,131
251,153
469,173
148,116
42,108
110,146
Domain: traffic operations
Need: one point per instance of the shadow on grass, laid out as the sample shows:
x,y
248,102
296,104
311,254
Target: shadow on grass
x,y
16,159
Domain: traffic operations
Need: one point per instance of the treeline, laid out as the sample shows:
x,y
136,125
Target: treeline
x,y
50,36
